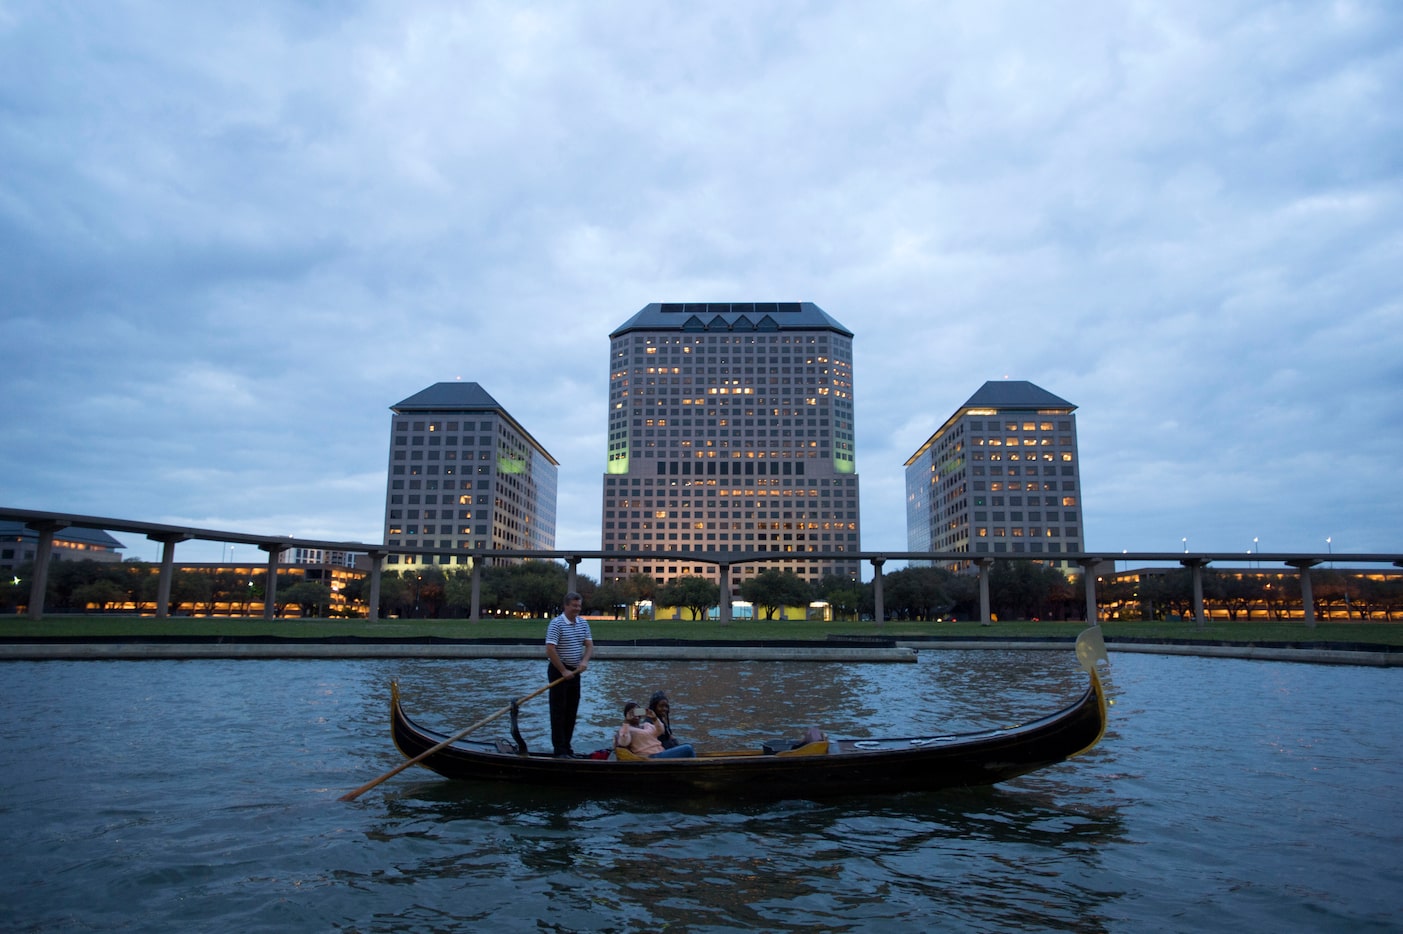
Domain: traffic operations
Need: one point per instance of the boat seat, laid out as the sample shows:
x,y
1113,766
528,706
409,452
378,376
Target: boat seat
x,y
812,743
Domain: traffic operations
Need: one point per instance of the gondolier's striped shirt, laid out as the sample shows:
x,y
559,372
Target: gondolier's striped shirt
x,y
568,638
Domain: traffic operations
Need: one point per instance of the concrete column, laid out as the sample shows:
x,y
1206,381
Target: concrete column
x,y
879,610
572,575
1088,571
984,564
167,575
377,567
39,586
1195,566
1307,598
270,587
476,609
725,597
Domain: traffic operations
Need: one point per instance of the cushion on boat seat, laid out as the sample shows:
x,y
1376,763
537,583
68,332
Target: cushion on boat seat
x,y
624,754
813,737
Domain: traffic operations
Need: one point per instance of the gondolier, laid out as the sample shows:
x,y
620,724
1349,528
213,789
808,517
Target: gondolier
x,y
569,646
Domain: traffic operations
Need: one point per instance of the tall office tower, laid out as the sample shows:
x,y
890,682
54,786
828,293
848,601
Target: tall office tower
x,y
730,431
465,474
1000,476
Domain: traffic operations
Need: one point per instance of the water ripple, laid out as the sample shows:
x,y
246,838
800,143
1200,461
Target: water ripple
x,y
170,796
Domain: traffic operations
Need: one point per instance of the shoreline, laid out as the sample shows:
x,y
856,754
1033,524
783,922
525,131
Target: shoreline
x,y
884,650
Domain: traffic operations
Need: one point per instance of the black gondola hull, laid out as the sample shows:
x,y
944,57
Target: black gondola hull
x,y
879,766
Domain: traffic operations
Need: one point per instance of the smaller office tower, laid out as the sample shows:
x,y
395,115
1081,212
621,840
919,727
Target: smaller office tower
x,y
465,474
1001,476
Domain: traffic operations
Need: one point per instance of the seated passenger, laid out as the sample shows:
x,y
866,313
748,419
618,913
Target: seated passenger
x,y
662,710
641,738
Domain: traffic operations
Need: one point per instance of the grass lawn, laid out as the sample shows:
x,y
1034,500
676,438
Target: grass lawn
x,y
1256,631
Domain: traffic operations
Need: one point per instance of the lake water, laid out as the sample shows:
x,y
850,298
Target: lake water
x,y
175,796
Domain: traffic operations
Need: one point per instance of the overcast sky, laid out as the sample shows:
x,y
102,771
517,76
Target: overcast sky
x,y
231,236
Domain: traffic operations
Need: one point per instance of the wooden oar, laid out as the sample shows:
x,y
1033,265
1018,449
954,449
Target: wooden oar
x,y
356,793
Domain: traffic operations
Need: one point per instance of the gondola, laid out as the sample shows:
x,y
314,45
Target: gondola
x,y
815,767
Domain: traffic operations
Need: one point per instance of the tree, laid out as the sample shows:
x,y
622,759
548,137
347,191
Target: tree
x,y
772,590
104,594
136,579
190,587
963,593
1027,590
394,594
610,597
539,586
639,587
458,593
14,588
1240,593
841,593
428,591
696,594
917,593
312,597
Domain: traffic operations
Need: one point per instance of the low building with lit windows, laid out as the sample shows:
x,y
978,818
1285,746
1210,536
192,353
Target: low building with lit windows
x,y
465,474
19,544
1000,476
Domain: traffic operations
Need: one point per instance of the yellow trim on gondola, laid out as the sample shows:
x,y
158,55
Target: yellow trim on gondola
x,y
1091,648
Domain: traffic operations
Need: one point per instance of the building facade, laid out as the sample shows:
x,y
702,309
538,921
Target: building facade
x,y
464,474
19,544
344,559
730,430
1001,476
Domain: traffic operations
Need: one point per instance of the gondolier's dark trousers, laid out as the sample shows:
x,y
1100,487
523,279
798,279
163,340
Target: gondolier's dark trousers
x,y
564,707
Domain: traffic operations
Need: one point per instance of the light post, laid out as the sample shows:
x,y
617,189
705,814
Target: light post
x,y
1257,549
1331,549
1185,540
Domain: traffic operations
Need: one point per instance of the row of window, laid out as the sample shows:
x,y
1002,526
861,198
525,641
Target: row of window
x,y
1033,516
480,529
1018,501
1031,470
451,441
415,454
444,426
647,509
738,573
803,522
711,485
1025,424
1032,532
733,536
998,486
834,546
1025,547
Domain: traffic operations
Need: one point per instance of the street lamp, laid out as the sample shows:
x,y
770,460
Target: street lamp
x,y
1330,548
1256,547
1185,540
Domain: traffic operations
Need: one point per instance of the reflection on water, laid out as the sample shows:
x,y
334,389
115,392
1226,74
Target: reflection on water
x,y
171,796
782,866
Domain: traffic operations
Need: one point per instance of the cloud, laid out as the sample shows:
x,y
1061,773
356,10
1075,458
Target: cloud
x,y
232,242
